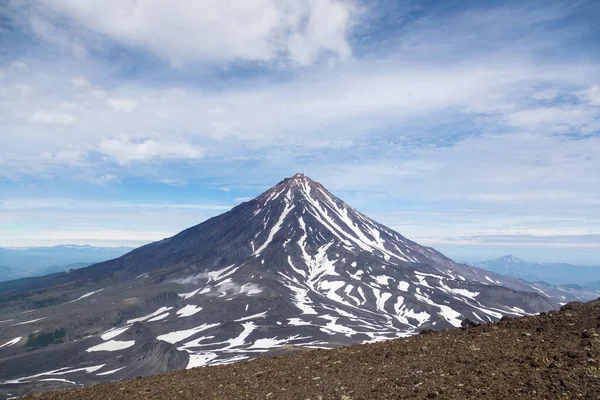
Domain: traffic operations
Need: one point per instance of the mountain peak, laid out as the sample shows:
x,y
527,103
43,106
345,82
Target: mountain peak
x,y
296,177
293,189
511,259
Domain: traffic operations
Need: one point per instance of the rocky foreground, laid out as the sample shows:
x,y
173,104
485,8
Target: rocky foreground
x,y
552,355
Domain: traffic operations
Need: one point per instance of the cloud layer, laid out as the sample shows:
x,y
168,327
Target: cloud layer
x,y
451,124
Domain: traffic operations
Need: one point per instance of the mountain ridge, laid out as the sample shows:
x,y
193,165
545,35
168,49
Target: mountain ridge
x,y
36,261
553,273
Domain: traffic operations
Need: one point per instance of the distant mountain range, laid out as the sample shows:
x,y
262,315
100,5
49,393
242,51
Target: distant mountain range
x,y
553,273
21,262
8,273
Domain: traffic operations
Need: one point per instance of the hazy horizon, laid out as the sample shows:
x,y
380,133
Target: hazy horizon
x,y
457,254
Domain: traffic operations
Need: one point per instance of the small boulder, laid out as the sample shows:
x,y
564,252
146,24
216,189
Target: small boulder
x,y
574,305
467,323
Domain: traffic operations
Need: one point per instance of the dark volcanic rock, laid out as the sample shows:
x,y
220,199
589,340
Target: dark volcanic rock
x,y
467,323
152,357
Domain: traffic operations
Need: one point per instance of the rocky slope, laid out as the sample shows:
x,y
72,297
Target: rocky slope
x,y
550,356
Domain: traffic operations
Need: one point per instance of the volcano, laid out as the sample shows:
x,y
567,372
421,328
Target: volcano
x,y
292,269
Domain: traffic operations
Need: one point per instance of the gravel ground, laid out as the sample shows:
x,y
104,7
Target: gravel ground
x,y
550,356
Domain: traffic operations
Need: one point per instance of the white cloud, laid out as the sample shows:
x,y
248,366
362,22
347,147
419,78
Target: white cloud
x,y
53,118
173,182
125,151
75,220
592,95
122,105
559,118
348,110
21,204
231,288
326,29
100,236
67,105
65,157
564,242
54,33
193,280
106,178
24,90
204,30
98,93
527,196
80,82
18,65
545,95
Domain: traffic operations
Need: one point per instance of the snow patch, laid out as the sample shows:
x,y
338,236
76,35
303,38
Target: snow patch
x,y
112,371
178,336
86,295
188,310
58,380
156,313
29,322
289,207
200,359
269,343
159,317
113,333
11,342
259,315
112,345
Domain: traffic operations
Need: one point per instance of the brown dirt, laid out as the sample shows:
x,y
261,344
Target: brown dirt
x,y
555,355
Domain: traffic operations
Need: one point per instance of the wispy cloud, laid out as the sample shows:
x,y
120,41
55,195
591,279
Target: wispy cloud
x,y
590,241
124,151
31,204
122,105
298,31
50,221
57,118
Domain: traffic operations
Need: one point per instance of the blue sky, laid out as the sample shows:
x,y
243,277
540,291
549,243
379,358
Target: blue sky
x,y
473,127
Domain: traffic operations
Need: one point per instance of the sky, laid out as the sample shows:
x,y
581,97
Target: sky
x,y
472,127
